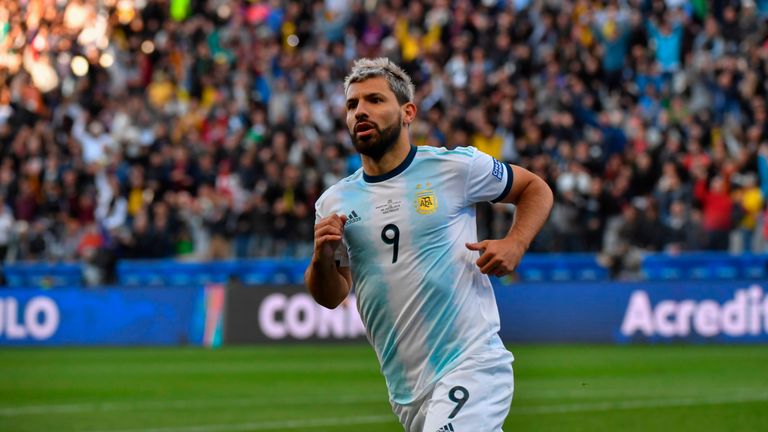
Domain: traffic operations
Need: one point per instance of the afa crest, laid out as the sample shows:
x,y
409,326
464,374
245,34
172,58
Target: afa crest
x,y
426,200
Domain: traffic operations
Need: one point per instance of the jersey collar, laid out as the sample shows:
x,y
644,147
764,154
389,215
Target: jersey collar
x,y
398,169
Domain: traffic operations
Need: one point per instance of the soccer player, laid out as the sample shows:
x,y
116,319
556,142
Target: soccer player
x,y
402,232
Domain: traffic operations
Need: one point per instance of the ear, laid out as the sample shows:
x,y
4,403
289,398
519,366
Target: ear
x,y
409,113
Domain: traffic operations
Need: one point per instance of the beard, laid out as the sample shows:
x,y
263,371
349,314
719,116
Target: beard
x,y
378,143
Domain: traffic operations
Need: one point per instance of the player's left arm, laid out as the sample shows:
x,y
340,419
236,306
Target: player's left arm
x,y
533,199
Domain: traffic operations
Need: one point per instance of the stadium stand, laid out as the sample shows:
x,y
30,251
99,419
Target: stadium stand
x,y
204,131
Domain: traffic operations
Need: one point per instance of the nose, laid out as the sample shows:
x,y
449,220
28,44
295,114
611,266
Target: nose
x,y
361,111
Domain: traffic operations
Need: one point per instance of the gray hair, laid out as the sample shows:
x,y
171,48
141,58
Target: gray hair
x,y
399,81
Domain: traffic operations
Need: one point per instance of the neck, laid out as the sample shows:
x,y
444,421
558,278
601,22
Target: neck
x,y
390,160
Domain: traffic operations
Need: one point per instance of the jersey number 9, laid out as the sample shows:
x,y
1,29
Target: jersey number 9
x,y
391,236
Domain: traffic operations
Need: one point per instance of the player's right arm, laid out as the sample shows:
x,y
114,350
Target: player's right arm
x,y
328,282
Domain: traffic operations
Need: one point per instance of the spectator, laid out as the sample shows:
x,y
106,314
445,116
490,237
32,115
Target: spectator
x,y
6,228
220,124
612,30
112,209
670,188
717,207
667,37
682,229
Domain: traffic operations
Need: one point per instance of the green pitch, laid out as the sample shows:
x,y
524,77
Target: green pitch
x,y
339,389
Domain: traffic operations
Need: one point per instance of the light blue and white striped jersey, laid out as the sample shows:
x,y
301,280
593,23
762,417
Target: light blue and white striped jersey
x,y
424,302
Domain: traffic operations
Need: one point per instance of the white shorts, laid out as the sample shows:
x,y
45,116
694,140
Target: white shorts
x,y
474,397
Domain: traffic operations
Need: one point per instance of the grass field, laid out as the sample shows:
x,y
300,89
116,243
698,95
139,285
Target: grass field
x,y
339,389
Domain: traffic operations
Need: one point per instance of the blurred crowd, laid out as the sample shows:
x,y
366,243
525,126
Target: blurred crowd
x,y
206,129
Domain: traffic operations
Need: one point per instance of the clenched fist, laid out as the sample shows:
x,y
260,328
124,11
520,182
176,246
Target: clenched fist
x,y
328,233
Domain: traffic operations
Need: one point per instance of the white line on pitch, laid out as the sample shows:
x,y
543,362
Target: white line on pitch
x,y
178,404
277,424
636,404
551,409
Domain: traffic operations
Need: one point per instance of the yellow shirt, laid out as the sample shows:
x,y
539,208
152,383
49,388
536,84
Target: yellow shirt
x,y
135,201
491,146
752,202
411,43
160,93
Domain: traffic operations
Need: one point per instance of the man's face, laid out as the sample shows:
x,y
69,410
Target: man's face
x,y
374,117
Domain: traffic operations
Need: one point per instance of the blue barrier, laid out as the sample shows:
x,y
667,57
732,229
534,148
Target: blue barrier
x,y
250,272
43,274
704,266
173,273
754,266
275,271
561,267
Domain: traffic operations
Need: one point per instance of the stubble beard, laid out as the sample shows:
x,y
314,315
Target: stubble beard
x,y
376,145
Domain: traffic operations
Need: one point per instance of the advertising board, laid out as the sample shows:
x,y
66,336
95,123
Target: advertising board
x,y
287,313
634,312
75,316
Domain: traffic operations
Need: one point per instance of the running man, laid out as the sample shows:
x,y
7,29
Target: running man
x,y
402,232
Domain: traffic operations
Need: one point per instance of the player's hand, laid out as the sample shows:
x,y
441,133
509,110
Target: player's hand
x,y
328,234
498,257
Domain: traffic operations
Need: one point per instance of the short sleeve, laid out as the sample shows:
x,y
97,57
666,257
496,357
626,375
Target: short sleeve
x,y
340,256
487,179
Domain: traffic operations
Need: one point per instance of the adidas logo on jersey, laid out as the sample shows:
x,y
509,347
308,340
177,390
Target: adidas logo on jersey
x,y
352,218
447,428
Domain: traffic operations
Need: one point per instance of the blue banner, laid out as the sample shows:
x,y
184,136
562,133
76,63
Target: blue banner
x,y
594,312
629,312
76,316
